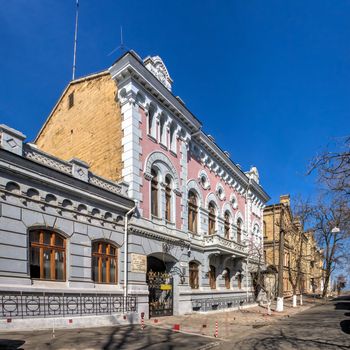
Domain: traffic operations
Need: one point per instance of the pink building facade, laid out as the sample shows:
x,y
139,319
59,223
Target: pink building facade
x,y
197,211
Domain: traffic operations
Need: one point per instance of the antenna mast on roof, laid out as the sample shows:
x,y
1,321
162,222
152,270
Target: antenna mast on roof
x,y
121,46
75,38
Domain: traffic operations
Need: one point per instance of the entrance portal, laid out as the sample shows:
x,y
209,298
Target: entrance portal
x,y
160,287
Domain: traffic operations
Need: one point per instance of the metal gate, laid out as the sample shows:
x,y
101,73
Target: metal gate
x,y
160,286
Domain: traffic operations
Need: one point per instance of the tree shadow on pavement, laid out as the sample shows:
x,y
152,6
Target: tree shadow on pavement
x,y
343,304
150,338
283,341
345,326
10,344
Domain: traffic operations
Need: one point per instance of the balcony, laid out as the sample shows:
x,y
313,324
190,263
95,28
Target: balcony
x,y
223,245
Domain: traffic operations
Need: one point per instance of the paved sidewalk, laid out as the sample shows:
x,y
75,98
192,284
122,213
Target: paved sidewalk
x,y
240,326
106,338
237,322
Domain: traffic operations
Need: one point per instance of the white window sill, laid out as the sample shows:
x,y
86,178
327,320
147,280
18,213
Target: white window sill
x,y
50,284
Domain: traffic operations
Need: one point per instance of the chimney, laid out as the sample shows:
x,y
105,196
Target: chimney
x,y
285,199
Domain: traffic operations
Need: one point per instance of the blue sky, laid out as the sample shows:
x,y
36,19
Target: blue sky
x,y
270,80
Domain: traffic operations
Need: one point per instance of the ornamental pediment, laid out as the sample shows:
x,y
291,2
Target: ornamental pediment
x,y
157,67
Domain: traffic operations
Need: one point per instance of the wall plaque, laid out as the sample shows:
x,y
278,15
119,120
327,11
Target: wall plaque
x,y
138,263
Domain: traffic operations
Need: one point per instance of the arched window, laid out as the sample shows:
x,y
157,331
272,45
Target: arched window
x,y
227,278
227,224
239,230
104,262
154,192
212,277
194,275
212,218
47,255
192,212
168,199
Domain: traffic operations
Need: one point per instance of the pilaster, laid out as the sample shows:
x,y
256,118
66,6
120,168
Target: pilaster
x,y
131,119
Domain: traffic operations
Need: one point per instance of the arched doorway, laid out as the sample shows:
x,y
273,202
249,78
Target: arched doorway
x,y
160,284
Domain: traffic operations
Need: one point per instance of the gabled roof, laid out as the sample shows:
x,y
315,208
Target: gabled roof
x,y
72,82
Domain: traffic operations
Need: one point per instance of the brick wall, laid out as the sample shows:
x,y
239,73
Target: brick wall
x,y
90,130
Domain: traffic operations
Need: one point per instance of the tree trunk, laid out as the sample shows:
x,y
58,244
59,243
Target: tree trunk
x,y
294,300
325,286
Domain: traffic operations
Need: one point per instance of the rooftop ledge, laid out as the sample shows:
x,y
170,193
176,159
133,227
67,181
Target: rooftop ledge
x,y
12,141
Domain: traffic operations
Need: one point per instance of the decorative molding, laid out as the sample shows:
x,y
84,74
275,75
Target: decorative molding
x,y
105,184
42,158
157,67
159,157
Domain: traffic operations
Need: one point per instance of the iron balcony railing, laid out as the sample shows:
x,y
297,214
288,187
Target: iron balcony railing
x,y
34,304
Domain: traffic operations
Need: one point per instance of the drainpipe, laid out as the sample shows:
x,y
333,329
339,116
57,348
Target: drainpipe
x,y
247,283
247,220
126,222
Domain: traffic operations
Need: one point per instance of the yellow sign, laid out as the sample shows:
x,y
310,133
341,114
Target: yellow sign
x,y
165,287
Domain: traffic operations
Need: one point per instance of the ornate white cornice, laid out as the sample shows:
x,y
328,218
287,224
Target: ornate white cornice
x,y
131,67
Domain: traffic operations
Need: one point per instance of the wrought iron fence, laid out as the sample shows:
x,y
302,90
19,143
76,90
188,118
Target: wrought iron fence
x,y
33,304
209,304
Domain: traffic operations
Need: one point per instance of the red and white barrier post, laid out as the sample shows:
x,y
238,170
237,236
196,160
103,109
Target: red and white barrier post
x,y
142,320
216,329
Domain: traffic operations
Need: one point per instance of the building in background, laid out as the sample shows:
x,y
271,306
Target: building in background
x,y
196,208
299,247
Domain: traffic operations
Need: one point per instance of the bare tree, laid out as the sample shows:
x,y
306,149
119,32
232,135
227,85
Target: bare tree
x,y
263,287
333,167
341,283
332,228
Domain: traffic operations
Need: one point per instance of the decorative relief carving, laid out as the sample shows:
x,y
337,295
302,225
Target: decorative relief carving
x,y
38,157
157,67
109,186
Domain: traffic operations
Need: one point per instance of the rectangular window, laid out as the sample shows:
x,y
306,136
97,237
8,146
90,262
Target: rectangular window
x,y
239,281
71,100
168,204
212,277
194,276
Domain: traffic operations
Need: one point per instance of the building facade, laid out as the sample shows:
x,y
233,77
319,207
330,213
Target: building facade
x,y
282,230
61,239
196,209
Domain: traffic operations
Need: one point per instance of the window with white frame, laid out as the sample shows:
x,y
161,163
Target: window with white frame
x,y
239,230
168,198
192,212
227,224
154,192
211,218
